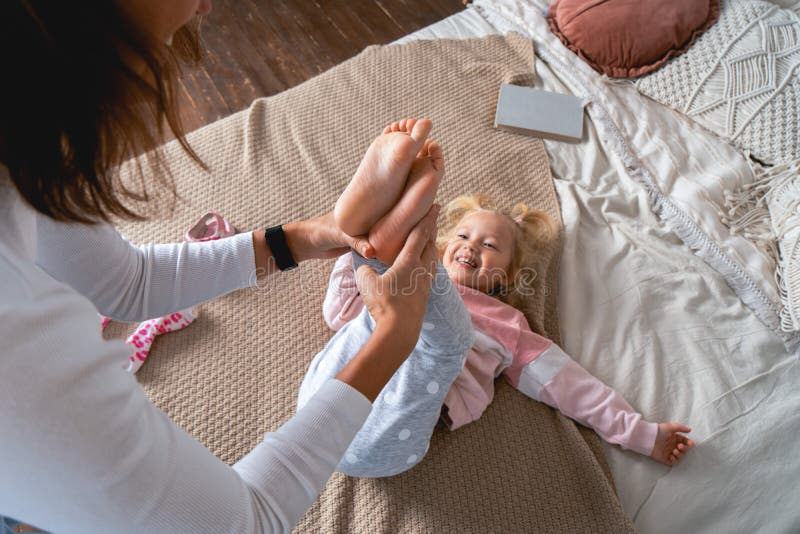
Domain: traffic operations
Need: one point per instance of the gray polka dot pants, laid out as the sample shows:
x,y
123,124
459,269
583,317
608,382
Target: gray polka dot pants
x,y
397,432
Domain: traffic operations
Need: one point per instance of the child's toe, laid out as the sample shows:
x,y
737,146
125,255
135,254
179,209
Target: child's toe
x,y
420,131
424,152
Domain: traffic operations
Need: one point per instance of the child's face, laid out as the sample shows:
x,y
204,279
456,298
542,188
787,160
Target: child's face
x,y
479,254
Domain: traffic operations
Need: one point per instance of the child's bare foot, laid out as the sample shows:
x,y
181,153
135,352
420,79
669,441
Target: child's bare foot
x,y
670,446
381,176
389,234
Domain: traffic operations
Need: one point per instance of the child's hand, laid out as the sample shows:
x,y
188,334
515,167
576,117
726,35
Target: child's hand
x,y
670,445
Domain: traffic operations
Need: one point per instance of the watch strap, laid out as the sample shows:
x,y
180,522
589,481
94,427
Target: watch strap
x,y
276,240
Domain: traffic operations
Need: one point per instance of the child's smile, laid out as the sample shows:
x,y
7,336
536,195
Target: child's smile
x,y
479,254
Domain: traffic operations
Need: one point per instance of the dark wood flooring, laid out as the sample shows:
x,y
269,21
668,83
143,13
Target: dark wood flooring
x,y
257,48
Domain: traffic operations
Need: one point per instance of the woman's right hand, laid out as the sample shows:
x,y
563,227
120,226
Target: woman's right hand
x,y
397,298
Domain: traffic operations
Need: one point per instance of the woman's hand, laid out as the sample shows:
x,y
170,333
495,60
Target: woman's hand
x,y
398,297
321,238
396,300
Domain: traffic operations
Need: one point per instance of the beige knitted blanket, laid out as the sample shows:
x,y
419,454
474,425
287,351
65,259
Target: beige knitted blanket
x,y
233,375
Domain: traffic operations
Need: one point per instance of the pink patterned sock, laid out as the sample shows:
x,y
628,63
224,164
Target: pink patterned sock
x,y
142,338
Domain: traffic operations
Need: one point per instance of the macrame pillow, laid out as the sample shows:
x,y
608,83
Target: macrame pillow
x,y
628,38
741,79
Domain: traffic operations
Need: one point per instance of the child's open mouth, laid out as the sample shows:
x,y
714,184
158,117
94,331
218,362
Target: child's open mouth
x,y
466,262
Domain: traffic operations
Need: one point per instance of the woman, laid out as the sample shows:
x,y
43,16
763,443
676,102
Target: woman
x,y
90,87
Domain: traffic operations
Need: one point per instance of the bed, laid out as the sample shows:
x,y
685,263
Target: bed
x,y
661,301
658,298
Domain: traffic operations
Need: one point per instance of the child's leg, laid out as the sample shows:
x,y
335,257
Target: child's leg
x,y
396,434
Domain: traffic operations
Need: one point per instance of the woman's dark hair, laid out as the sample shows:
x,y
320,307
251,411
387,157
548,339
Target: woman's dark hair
x,y
72,109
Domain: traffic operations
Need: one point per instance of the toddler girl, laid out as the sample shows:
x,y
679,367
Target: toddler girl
x,y
473,332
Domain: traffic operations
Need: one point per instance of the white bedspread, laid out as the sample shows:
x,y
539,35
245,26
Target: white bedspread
x,y
653,319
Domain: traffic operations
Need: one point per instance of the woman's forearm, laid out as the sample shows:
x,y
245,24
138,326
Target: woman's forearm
x,y
296,239
265,264
379,358
134,283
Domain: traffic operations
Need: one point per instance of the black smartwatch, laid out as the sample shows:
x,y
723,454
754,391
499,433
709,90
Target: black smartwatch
x,y
276,240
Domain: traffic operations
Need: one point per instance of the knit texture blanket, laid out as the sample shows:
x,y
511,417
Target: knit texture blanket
x,y
233,375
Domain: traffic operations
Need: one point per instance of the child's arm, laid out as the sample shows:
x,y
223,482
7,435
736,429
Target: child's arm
x,y
554,378
342,301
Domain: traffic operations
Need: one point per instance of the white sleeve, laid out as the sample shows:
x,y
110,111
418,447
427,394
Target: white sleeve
x,y
83,450
131,283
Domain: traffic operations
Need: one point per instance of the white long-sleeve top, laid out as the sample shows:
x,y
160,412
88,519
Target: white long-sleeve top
x,y
82,449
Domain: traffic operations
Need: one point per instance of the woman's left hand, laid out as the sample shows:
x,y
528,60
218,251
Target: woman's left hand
x,y
321,238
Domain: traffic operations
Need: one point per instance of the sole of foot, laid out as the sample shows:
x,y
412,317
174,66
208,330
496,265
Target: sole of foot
x,y
389,234
381,177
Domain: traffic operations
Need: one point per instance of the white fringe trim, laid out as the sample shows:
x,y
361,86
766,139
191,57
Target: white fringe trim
x,y
768,211
680,223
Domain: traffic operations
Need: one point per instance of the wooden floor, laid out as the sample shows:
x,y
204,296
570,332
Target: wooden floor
x,y
257,48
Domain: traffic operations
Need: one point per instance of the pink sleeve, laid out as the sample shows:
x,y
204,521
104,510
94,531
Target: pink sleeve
x,y
582,397
342,301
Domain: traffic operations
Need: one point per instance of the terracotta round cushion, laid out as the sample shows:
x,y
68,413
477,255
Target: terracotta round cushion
x,y
628,38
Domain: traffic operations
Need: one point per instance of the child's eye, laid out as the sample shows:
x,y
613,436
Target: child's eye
x,y
462,236
490,245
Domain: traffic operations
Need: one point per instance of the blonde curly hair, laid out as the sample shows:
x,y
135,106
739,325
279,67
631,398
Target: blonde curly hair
x,y
532,230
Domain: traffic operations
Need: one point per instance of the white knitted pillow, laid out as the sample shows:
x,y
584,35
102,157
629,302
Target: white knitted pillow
x,y
741,79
